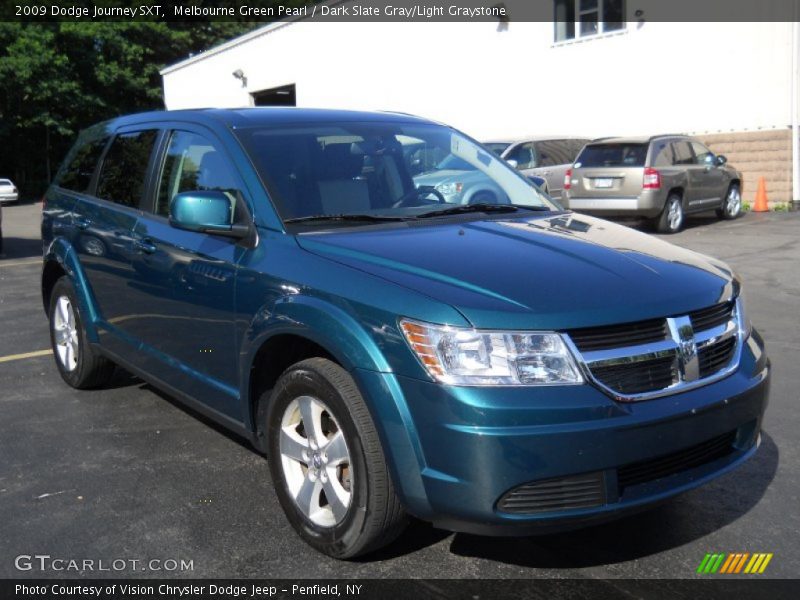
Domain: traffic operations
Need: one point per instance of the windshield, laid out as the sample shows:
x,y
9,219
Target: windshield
x,y
382,170
5,182
612,155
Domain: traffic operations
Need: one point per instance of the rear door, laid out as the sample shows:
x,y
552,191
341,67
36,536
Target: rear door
x,y
184,280
611,170
103,225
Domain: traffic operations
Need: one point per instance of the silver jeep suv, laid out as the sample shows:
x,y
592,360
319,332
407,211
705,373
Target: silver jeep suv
x,y
660,178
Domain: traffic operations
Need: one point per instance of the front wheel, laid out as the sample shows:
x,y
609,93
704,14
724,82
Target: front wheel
x,y
327,463
731,205
80,365
671,219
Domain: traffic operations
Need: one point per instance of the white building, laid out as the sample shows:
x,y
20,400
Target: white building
x,y
731,84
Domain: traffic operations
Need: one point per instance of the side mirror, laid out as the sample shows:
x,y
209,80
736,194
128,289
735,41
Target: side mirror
x,y
205,212
512,162
721,160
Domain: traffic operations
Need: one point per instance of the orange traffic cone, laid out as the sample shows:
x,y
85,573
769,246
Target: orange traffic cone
x,y
761,196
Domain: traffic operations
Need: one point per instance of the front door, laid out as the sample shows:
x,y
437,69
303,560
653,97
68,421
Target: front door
x,y
714,181
695,193
185,280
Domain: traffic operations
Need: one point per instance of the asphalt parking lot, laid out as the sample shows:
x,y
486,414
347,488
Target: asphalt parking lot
x,y
127,473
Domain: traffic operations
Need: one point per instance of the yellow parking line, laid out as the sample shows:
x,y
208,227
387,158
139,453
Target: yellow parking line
x,y
11,357
21,263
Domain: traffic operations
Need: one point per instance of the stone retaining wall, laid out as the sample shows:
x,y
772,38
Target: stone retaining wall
x,y
765,153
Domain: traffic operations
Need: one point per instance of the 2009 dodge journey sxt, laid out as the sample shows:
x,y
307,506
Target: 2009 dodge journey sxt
x,y
502,367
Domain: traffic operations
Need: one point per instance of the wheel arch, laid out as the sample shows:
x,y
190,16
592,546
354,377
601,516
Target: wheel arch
x,y
300,327
312,326
61,260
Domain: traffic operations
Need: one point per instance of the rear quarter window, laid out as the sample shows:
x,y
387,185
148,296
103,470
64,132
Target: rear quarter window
x,y
612,155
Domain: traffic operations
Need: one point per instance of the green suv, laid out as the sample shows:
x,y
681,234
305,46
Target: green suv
x,y
660,178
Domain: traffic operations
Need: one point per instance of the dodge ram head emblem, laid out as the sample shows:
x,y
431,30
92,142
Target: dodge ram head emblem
x,y
682,333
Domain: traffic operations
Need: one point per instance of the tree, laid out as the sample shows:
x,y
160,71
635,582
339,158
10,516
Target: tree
x,y
57,78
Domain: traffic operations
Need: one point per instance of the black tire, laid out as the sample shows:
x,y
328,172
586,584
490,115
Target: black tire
x,y
91,370
729,209
374,516
664,223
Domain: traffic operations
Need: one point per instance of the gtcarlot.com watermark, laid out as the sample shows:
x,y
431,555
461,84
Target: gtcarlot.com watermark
x,y
47,563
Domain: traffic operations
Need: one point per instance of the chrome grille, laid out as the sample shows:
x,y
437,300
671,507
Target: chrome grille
x,y
645,359
712,316
613,336
715,356
643,376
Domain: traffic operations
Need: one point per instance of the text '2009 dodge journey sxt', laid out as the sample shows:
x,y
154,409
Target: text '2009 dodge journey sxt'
x,y
502,367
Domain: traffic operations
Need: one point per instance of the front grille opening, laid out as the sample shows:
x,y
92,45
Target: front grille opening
x,y
639,377
671,464
617,336
712,316
549,495
716,357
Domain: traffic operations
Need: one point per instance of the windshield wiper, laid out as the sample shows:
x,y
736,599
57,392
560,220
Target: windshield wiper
x,y
481,207
362,218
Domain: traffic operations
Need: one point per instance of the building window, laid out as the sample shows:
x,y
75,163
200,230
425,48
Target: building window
x,y
585,18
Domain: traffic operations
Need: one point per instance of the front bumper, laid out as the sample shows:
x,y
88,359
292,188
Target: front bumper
x,y
9,197
473,445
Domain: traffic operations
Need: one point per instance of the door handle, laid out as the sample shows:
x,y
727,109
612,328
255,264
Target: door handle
x,y
145,245
82,223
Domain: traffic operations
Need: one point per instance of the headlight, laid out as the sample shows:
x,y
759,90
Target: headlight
x,y
476,357
450,189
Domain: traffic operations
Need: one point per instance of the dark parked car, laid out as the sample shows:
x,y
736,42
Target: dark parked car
x,y
661,178
498,368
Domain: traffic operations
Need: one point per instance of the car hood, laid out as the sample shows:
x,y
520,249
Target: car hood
x,y
552,271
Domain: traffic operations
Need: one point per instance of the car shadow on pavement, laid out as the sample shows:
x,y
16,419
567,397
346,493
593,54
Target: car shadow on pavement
x,y
14,248
672,524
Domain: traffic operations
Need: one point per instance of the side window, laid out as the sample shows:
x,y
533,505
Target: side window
x,y
662,152
125,167
524,155
554,152
701,153
683,153
76,174
193,163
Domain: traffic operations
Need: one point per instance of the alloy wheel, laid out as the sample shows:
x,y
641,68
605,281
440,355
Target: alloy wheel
x,y
675,215
733,203
65,331
316,461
